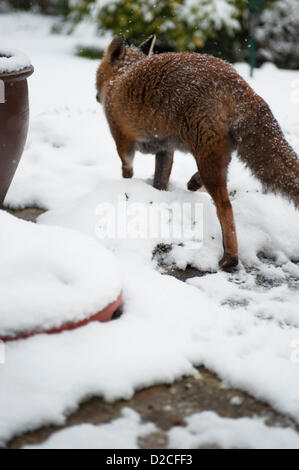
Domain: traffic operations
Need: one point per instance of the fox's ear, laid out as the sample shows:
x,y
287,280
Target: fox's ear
x,y
116,49
147,46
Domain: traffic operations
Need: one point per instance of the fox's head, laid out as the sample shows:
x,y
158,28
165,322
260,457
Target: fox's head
x,y
117,57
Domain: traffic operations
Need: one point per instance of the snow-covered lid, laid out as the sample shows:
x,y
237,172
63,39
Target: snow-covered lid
x,y
12,60
51,276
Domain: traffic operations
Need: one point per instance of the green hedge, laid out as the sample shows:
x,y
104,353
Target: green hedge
x,y
179,25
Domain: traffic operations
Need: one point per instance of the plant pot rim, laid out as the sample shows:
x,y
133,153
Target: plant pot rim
x,y
103,315
15,66
17,75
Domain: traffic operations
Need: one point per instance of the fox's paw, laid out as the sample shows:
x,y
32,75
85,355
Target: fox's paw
x,y
161,186
127,172
228,263
194,183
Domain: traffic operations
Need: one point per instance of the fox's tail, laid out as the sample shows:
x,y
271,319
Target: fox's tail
x,y
263,148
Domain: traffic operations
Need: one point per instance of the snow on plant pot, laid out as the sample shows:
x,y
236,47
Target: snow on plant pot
x,y
15,67
53,279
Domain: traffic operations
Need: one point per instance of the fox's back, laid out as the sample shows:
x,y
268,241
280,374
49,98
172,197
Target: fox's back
x,y
177,75
169,93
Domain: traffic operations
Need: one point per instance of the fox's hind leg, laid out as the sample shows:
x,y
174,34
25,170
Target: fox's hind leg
x,y
164,161
127,165
126,153
195,182
213,171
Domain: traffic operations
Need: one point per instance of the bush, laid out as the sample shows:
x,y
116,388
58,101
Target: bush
x,y
218,27
18,4
54,7
179,25
278,34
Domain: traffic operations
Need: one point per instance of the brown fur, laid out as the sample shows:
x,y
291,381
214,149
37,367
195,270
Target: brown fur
x,y
199,104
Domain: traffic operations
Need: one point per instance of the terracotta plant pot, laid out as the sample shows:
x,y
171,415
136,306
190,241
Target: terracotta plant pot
x,y
14,118
103,316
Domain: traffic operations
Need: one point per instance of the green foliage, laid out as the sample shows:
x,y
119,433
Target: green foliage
x,y
218,27
56,7
140,19
89,52
178,24
256,5
21,4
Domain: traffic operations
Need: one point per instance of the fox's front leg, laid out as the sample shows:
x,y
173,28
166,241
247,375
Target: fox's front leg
x,y
164,161
126,153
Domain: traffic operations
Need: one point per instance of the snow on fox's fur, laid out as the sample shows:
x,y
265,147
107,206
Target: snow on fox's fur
x,y
199,104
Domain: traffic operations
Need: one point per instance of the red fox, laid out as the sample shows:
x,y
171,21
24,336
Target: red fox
x,y
199,104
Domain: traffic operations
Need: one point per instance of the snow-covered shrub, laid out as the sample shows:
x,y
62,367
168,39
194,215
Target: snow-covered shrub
x,y
180,24
278,34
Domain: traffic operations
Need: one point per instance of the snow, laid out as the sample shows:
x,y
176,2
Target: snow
x,y
236,400
51,276
240,326
202,429
122,433
12,60
208,428
211,14
277,33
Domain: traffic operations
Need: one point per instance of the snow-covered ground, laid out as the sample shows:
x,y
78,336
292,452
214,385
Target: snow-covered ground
x,y
202,429
51,276
122,433
244,327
